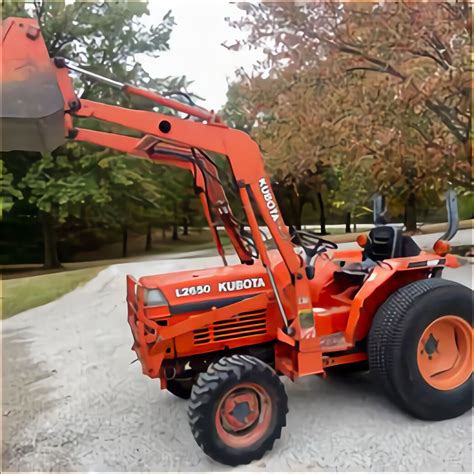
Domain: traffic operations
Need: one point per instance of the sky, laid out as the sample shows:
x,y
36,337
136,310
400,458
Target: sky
x,y
195,47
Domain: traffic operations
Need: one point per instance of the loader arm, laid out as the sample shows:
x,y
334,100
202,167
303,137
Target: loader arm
x,y
247,167
209,190
174,141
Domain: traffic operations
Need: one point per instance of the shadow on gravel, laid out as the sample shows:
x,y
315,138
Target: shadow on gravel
x,y
24,399
357,390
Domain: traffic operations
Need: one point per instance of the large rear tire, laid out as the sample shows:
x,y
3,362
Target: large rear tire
x,y
237,410
420,348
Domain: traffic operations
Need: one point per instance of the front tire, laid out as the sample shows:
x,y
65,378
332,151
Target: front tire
x,y
238,408
420,348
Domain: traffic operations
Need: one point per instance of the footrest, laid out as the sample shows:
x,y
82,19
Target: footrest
x,y
333,342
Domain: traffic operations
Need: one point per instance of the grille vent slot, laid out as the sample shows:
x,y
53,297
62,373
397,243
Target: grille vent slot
x,y
252,323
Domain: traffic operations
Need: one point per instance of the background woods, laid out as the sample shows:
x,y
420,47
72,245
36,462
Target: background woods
x,y
348,99
356,97
81,194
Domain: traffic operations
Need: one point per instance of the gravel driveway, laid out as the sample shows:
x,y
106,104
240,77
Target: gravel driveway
x,y
72,401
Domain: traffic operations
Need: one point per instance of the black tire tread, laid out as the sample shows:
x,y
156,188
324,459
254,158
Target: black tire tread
x,y
227,368
387,332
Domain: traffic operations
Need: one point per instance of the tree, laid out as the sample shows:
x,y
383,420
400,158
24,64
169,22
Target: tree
x,y
8,190
173,206
106,37
59,185
351,191
386,85
277,110
133,194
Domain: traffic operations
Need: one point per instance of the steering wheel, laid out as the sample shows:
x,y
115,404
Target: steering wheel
x,y
249,242
311,242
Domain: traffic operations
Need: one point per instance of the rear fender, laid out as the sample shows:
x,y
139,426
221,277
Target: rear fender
x,y
383,281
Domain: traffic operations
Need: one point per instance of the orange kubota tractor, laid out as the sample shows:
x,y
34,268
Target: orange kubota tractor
x,y
223,336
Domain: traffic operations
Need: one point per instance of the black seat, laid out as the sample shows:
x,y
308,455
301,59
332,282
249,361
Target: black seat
x,y
384,242
387,241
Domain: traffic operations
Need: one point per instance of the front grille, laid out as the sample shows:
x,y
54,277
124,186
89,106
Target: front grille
x,y
252,323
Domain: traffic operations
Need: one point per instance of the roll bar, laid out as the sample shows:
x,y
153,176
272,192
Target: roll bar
x,y
453,215
379,209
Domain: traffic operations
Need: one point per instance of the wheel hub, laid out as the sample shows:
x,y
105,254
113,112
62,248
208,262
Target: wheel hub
x,y
444,353
431,346
243,415
241,411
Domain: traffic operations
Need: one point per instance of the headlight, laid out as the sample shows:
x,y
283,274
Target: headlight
x,y
154,297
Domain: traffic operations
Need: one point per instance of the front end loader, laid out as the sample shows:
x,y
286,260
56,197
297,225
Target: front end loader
x,y
223,337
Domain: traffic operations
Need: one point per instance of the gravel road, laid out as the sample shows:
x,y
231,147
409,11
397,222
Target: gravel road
x,y
72,401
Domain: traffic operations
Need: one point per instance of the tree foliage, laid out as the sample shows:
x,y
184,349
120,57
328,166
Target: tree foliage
x,y
381,92
8,191
78,180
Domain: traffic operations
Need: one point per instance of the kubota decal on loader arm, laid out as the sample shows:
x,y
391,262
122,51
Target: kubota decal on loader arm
x,y
223,336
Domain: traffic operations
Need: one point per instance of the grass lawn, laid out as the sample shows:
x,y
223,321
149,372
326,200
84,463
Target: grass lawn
x,y
21,294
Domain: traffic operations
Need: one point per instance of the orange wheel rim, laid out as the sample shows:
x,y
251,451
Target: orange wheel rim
x,y
444,353
243,415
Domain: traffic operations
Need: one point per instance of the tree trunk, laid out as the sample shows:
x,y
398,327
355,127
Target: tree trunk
x,y
354,226
348,222
175,235
301,203
124,242
148,238
322,214
410,213
185,226
175,232
50,242
295,209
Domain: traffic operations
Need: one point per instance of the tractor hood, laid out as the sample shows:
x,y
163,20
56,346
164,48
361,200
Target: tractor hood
x,y
199,290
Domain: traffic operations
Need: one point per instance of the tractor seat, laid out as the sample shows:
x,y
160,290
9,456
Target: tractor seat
x,y
387,241
384,242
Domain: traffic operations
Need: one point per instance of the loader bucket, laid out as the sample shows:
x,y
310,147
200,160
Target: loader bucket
x,y
32,106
